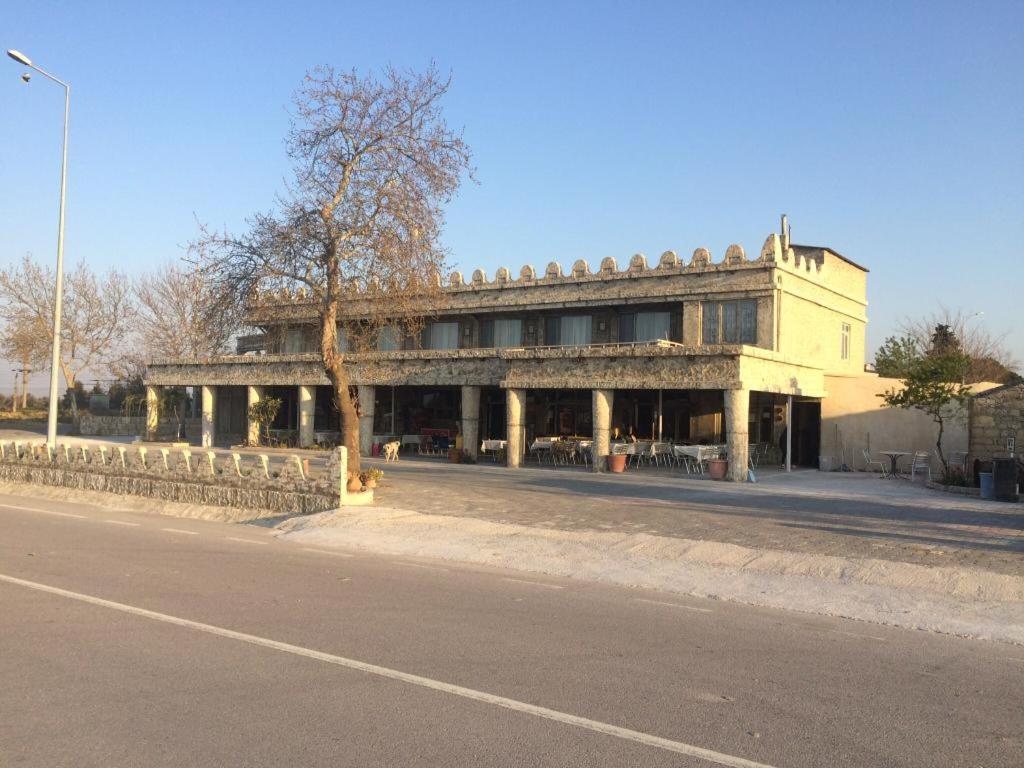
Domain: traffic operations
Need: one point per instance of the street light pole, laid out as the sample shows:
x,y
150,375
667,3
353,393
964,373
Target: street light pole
x,y
58,303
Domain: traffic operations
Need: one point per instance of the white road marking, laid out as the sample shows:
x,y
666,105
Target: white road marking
x,y
673,605
857,634
121,522
327,552
428,567
245,541
42,511
596,726
533,583
179,530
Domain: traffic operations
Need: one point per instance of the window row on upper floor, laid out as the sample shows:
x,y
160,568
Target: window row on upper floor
x,y
721,322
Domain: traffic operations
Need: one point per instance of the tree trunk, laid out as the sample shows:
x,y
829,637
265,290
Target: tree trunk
x,y
334,367
938,447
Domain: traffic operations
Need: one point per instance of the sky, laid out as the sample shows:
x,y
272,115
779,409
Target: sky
x,y
890,132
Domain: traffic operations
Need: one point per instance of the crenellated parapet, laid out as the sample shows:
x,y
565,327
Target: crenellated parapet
x,y
774,253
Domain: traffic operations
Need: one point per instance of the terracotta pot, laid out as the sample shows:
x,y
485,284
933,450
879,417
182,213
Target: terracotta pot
x,y
718,468
354,485
370,483
617,462
455,455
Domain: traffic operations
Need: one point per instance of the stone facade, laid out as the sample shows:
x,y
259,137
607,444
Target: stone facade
x,y
773,324
995,418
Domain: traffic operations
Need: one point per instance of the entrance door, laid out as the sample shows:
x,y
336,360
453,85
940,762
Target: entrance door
x,y
806,433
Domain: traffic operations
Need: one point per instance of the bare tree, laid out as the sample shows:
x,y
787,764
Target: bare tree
x,y
358,228
990,360
97,314
178,316
22,342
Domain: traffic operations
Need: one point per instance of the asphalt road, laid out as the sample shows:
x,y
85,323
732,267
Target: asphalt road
x,y
129,639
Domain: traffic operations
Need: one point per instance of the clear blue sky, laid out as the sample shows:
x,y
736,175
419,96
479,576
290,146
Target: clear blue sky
x,y
890,132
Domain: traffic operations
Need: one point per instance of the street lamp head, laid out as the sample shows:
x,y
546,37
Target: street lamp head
x,y
19,57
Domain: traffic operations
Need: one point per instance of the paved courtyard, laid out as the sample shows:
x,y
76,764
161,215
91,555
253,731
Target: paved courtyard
x,y
847,514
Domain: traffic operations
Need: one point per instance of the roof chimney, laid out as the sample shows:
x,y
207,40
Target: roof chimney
x,y
785,233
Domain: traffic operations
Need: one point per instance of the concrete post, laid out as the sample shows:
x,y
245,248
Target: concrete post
x,y
153,395
253,432
471,421
737,412
209,410
307,402
789,433
367,408
515,410
602,420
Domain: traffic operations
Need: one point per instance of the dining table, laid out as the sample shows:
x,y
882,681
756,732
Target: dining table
x,y
894,460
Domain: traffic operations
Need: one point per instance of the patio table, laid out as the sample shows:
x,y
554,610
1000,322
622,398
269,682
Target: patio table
x,y
894,458
489,446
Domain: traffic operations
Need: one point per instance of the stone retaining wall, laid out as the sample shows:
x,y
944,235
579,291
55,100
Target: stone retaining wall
x,y
229,482
94,425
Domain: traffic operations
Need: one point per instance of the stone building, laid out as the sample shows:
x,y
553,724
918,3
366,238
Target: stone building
x,y
690,350
996,423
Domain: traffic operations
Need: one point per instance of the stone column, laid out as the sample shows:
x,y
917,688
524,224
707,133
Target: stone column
x,y
153,395
367,408
471,421
602,420
737,410
515,409
209,410
307,402
253,432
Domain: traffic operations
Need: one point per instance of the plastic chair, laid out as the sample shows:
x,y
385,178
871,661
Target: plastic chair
x,y
869,463
922,463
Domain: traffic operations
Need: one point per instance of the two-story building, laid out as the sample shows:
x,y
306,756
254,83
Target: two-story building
x,y
687,350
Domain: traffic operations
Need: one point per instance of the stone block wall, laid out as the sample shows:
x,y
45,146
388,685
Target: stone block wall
x,y
95,425
186,477
995,417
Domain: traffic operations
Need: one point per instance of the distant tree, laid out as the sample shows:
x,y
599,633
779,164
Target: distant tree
x,y
96,320
358,229
894,358
23,342
125,392
179,316
933,384
990,360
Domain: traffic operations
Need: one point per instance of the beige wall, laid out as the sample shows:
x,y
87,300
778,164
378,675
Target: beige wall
x,y
853,420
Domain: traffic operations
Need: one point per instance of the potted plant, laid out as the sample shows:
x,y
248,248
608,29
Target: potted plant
x,y
718,468
454,455
617,462
371,477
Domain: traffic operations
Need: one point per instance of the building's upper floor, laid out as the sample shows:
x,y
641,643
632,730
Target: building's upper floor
x,y
806,302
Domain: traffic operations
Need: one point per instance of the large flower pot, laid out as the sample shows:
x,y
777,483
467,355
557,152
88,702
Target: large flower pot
x,y
718,469
617,462
454,455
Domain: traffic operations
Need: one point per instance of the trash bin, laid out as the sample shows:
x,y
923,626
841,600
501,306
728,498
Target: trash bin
x,y
825,463
1004,479
985,483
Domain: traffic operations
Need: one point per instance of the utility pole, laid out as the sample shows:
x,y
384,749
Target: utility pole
x,y
26,369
